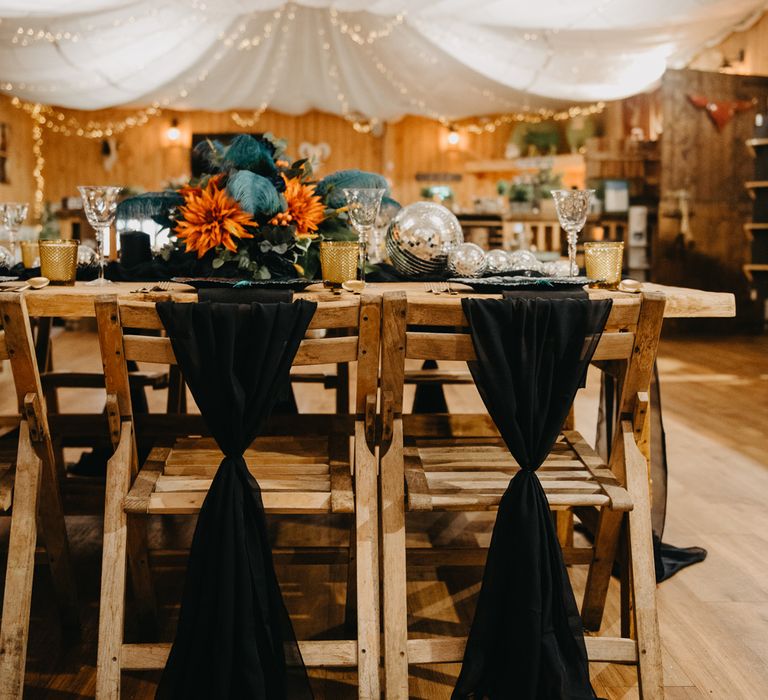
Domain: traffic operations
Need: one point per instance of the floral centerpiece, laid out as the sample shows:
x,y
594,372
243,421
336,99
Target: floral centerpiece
x,y
254,213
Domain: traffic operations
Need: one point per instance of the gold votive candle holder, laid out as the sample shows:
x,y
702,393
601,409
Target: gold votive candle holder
x,y
30,254
603,260
338,261
58,261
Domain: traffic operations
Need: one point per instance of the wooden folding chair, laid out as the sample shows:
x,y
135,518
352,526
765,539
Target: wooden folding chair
x,y
306,473
31,492
459,463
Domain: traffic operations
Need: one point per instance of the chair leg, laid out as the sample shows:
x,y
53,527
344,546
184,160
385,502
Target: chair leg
x,y
54,533
350,607
564,524
367,568
643,572
599,576
141,576
113,571
395,614
14,627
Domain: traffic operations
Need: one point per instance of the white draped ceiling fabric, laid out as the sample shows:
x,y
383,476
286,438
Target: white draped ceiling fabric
x,y
378,59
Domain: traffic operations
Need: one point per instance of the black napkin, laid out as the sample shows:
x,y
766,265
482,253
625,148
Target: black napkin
x,y
526,640
545,294
245,295
234,638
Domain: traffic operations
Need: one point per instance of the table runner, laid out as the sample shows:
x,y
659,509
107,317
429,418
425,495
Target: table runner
x,y
234,637
526,639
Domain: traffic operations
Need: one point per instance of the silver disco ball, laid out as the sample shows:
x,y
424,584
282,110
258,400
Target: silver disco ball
x,y
524,260
466,260
497,261
557,268
86,255
420,237
6,258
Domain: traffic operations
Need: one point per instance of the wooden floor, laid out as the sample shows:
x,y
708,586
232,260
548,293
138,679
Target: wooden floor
x,y
714,616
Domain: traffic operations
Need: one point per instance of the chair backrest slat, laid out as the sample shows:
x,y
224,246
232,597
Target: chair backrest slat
x,y
333,314
458,346
447,311
359,316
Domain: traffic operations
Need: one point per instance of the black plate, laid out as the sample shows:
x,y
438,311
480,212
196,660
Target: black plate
x,y
495,285
222,282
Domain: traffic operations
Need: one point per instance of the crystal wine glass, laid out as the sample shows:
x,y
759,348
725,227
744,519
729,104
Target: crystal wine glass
x,y
100,203
364,205
572,209
14,214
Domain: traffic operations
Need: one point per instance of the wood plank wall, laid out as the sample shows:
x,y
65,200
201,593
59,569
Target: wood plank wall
x,y
147,160
712,167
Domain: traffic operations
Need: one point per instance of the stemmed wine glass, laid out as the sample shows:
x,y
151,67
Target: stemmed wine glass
x,y
100,203
364,205
572,209
13,215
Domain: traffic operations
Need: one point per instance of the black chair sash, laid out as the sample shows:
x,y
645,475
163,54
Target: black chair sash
x,y
526,640
234,637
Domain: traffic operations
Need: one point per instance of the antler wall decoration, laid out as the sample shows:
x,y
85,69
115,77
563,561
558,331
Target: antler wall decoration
x,y
721,111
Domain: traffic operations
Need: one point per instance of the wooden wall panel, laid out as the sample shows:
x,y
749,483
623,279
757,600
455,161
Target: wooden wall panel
x,y
712,167
21,162
147,160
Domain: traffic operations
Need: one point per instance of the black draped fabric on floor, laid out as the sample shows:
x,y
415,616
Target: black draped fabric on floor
x,y
234,638
668,559
527,640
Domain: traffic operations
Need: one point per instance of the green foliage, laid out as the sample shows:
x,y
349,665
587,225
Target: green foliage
x,y
255,194
332,187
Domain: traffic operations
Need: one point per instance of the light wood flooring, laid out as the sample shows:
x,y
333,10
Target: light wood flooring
x,y
714,616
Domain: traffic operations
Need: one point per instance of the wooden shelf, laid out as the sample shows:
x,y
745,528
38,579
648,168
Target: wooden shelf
x,y
566,161
753,185
751,268
752,144
752,226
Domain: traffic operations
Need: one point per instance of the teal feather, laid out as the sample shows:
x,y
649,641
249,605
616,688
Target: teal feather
x,y
331,188
148,205
248,153
255,194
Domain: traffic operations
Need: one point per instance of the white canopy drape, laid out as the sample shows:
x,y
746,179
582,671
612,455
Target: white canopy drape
x,y
439,58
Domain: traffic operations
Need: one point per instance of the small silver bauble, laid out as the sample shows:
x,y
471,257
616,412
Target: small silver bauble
x,y
524,260
466,260
85,255
497,261
6,257
556,268
420,237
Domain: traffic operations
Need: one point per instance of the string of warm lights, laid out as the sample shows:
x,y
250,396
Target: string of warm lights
x,y
266,33
274,79
37,171
355,31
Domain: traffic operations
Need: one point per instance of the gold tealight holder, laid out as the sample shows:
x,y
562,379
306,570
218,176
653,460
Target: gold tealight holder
x,y
58,261
603,261
338,261
30,254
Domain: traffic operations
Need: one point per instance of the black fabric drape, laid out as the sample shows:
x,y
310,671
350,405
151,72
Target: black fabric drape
x,y
234,637
668,559
526,640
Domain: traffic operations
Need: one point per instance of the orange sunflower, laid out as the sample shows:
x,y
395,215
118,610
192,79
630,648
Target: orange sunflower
x,y
211,218
305,209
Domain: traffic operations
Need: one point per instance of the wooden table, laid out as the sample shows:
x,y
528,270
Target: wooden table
x,y
77,301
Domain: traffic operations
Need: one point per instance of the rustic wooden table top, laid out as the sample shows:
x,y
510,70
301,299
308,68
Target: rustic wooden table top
x,y
77,300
